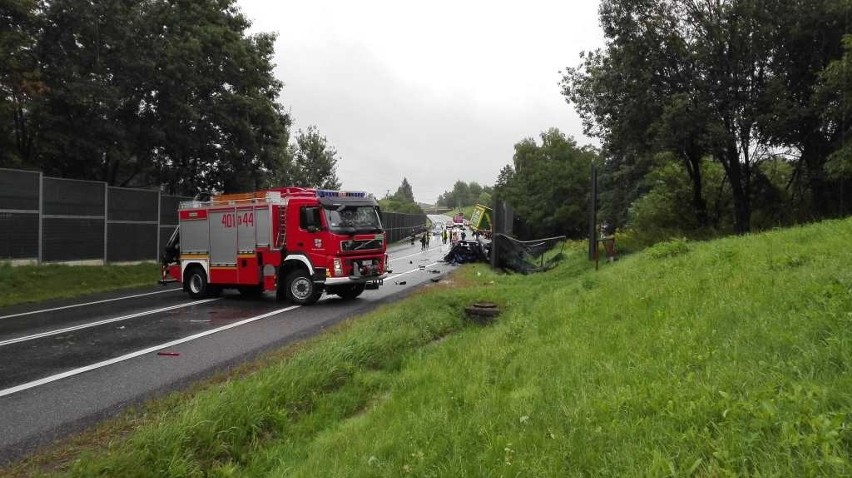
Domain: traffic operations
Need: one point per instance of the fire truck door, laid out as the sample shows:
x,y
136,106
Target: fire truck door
x,y
310,239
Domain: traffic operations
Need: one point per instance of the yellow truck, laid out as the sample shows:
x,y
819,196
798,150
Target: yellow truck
x,y
480,220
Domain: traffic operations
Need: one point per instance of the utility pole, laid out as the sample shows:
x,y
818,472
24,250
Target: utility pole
x,y
593,215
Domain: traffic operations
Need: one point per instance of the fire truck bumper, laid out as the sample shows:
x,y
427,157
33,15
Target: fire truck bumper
x,y
373,285
372,282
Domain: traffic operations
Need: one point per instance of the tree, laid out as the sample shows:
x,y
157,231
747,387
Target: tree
x,y
682,76
666,210
836,93
613,94
639,96
401,201
90,60
212,102
404,192
797,111
158,92
484,198
549,188
463,194
507,173
314,161
732,49
19,81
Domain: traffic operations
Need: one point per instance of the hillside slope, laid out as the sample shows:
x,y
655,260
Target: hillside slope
x,y
729,357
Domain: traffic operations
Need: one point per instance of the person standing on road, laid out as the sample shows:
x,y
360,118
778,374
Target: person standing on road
x,y
444,236
423,242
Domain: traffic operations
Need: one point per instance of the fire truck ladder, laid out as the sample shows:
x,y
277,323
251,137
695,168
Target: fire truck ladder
x,y
282,227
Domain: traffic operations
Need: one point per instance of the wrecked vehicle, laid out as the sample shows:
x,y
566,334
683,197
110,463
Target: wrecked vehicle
x,y
464,252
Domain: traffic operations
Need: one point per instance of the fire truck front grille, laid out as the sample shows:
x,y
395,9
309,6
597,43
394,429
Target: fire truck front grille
x,y
349,246
365,268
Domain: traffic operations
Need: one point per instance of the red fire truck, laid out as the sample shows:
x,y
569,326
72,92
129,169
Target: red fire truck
x,y
295,241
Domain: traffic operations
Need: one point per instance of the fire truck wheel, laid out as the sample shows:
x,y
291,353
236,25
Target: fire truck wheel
x,y
348,292
301,289
196,282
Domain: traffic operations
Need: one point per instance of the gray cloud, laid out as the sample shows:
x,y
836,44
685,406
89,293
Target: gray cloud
x,y
433,110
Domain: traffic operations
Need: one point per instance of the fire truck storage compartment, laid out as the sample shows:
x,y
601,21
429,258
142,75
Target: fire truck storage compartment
x,y
262,224
223,237
193,232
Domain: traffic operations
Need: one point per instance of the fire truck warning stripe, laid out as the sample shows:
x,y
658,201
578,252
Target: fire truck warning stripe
x,y
77,371
100,322
192,214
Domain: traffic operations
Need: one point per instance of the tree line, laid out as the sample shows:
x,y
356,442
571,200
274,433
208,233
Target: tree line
x,y
722,116
167,93
714,117
463,194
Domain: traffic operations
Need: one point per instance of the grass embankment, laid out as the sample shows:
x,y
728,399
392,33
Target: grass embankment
x,y
723,358
38,283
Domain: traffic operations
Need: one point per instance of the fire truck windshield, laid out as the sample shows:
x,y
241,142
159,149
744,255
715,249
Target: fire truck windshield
x,y
353,219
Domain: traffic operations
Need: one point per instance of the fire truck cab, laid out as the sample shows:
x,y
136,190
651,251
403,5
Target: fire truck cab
x,y
297,242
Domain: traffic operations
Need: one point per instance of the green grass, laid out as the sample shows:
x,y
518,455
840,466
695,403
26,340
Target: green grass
x,y
722,358
38,283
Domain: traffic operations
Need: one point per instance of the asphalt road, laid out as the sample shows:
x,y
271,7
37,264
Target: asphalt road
x,y
66,365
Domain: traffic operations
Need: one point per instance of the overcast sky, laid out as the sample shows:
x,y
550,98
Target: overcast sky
x,y
435,91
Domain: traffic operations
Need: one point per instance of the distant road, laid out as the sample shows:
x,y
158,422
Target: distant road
x,y
436,218
66,365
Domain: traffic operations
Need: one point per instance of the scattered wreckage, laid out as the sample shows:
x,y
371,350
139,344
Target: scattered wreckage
x,y
509,254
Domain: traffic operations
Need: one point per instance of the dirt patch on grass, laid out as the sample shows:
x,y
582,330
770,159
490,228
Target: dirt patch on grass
x,y
453,279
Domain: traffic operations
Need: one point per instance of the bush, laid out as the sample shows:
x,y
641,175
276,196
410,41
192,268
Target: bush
x,y
671,248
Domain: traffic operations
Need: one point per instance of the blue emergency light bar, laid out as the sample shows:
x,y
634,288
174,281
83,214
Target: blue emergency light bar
x,y
327,193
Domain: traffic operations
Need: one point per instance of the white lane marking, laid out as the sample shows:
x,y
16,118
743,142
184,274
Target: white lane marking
x,y
77,371
100,322
415,254
87,303
393,276
406,257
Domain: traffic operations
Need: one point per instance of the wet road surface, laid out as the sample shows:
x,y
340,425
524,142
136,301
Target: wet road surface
x,y
66,365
